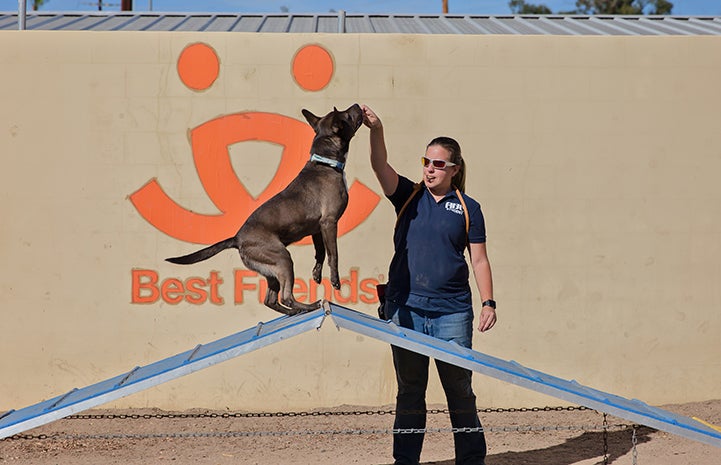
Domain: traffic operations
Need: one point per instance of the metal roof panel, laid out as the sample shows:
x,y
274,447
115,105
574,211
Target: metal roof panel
x,y
713,25
220,23
249,23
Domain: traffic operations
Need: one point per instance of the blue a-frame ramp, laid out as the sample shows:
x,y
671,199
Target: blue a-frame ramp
x,y
202,356
141,378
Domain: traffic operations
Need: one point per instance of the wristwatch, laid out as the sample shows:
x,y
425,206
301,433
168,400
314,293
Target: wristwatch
x,y
489,303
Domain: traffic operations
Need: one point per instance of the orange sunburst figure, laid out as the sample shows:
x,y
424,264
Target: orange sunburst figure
x,y
198,68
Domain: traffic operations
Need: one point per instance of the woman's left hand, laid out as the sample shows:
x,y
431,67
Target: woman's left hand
x,y
487,319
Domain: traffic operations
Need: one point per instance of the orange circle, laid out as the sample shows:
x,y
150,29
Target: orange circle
x,y
198,66
312,67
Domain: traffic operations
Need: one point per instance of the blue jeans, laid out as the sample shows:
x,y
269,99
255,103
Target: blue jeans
x,y
412,376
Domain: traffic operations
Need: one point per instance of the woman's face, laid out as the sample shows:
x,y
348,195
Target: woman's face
x,y
438,180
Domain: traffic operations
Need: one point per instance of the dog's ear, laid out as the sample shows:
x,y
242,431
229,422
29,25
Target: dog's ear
x,y
310,117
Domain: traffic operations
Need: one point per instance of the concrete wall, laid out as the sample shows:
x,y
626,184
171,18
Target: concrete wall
x,y
596,161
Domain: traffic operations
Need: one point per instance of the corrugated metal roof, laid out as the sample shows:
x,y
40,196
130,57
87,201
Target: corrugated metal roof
x,y
367,23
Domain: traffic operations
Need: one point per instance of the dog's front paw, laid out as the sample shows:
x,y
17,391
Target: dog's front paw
x,y
317,270
335,282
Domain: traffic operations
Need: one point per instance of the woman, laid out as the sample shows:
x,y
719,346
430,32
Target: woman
x,y
428,287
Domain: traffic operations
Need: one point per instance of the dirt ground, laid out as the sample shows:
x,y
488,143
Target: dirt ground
x,y
348,435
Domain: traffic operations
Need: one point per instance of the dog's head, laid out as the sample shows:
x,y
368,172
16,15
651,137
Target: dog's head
x,y
334,131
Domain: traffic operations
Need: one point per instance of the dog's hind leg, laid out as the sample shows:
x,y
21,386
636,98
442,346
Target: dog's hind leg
x,y
271,296
271,301
274,262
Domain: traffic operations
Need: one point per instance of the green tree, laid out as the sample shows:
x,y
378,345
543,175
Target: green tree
x,y
599,7
520,7
624,7
37,4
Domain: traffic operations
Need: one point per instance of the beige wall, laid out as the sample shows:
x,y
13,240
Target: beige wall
x,y
596,161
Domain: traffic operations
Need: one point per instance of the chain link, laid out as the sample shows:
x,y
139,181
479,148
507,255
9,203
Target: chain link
x,y
634,442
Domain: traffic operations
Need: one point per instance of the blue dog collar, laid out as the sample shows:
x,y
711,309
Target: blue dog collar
x,y
327,161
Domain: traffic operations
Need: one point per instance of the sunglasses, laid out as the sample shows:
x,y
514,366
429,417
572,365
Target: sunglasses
x,y
437,163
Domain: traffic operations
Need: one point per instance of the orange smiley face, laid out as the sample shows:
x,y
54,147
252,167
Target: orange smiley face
x,y
198,68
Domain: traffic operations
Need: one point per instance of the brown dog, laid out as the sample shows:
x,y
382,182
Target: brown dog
x,y
311,205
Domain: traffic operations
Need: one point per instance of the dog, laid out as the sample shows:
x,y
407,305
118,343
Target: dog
x,y
311,205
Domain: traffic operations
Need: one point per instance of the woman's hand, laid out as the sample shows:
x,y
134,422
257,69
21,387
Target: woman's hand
x,y
370,119
487,319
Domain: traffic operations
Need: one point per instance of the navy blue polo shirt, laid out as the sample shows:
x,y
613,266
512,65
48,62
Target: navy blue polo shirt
x,y
429,269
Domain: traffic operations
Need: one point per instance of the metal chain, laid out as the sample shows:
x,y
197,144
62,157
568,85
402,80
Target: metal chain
x,y
604,427
159,416
236,434
605,439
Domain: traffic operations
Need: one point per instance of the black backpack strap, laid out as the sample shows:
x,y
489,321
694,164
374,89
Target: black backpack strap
x,y
465,215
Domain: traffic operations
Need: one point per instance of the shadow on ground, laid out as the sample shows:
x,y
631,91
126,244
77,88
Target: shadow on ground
x,y
587,446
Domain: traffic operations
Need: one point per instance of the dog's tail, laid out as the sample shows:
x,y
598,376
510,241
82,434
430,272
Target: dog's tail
x,y
205,253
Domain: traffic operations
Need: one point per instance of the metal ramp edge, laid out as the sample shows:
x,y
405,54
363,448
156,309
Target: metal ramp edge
x,y
510,371
140,378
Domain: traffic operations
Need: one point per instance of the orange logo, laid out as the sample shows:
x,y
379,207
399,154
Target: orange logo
x,y
198,68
